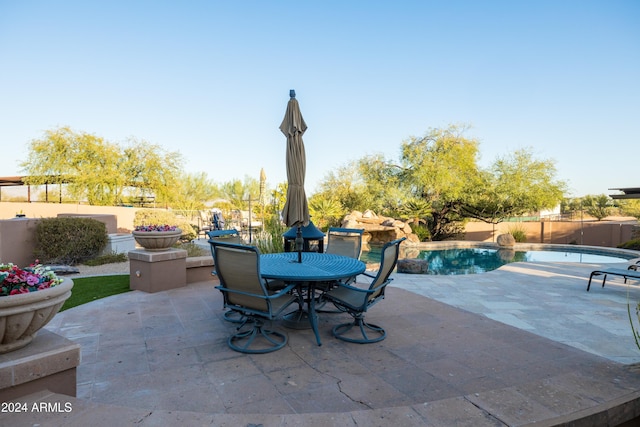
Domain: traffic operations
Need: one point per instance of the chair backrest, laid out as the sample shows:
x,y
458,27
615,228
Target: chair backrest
x,y
345,241
205,217
225,236
388,261
238,268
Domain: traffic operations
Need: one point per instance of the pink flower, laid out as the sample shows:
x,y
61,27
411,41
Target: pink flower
x,y
32,279
14,281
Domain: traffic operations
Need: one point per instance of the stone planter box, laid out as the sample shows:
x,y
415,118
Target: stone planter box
x,y
23,315
199,269
157,271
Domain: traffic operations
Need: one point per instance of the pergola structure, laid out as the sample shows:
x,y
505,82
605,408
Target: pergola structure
x,y
628,193
17,181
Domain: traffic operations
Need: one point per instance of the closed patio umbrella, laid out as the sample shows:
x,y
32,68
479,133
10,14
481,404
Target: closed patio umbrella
x,y
296,209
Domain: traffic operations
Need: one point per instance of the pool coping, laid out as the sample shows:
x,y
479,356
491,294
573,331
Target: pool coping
x,y
595,250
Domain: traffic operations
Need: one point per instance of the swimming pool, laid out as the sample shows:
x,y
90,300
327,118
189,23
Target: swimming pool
x,y
473,260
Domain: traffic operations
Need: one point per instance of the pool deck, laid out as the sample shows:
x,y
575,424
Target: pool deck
x,y
522,345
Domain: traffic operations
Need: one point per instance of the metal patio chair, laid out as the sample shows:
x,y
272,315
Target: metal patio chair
x,y
228,236
357,299
345,241
245,292
340,241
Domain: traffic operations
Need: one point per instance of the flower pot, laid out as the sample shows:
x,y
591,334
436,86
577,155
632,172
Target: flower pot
x,y
157,240
23,315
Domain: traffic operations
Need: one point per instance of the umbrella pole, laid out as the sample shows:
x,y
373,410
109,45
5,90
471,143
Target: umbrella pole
x,y
299,242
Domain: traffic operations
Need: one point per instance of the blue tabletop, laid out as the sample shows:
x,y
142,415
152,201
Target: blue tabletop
x,y
314,267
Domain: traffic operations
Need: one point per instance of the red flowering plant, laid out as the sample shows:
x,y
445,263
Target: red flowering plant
x,y
15,280
156,228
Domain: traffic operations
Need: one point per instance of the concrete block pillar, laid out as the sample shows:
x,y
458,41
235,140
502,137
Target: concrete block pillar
x,y
157,271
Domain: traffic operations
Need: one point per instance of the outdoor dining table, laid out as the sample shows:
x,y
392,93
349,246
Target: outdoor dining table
x,y
314,268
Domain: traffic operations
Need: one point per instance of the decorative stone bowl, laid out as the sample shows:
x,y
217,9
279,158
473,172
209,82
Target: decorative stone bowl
x,y
157,240
23,315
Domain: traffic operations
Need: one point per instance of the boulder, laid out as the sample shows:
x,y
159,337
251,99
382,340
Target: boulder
x,y
413,238
369,214
506,240
379,229
413,266
62,270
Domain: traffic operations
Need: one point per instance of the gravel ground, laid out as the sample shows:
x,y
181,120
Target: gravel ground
x,y
99,270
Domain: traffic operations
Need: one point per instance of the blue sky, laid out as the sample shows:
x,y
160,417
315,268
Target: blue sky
x,y
211,80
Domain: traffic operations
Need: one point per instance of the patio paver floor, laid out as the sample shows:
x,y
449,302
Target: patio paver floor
x,y
452,357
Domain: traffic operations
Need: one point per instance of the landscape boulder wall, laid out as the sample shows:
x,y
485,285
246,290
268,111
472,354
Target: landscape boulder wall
x,y
379,229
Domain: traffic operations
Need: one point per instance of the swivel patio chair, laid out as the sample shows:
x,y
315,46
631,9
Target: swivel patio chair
x,y
204,223
245,292
345,241
228,236
340,241
357,299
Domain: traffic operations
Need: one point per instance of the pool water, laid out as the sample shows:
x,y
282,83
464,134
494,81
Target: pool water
x,y
480,260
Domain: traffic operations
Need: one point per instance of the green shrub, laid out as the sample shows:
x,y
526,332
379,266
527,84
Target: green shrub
x,y
422,232
270,240
160,217
519,233
631,244
267,243
194,250
69,240
107,259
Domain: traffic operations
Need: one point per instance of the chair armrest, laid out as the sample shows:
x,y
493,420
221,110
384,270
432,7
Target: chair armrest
x,y
286,289
355,289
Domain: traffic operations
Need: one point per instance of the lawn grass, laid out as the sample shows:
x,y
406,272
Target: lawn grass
x,y
87,289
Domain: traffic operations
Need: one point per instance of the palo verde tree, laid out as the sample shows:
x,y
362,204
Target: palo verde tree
x,y
514,185
97,170
441,169
438,180
630,207
193,192
346,186
87,164
599,206
238,193
150,169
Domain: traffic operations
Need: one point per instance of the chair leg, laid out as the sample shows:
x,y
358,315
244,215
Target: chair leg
x,y
256,340
363,327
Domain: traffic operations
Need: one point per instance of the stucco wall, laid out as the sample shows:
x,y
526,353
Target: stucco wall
x,y
124,215
593,233
18,237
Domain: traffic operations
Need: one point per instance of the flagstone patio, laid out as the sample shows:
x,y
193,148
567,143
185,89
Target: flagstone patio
x,y
524,344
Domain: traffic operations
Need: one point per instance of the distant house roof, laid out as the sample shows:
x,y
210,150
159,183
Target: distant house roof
x,y
628,193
